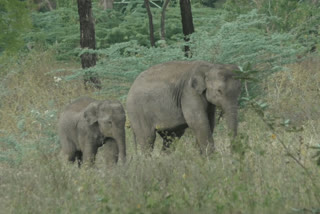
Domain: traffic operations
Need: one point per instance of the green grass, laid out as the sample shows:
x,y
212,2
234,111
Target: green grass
x,y
35,179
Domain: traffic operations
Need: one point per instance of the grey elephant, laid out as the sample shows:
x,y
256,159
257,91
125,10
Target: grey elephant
x,y
169,97
86,124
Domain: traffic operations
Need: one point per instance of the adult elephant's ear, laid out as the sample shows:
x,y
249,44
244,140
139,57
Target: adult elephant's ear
x,y
197,80
91,113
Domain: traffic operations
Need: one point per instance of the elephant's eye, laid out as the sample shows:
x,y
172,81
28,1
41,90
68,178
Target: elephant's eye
x,y
219,91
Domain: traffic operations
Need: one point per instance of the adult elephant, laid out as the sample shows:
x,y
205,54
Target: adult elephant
x,y
172,96
86,124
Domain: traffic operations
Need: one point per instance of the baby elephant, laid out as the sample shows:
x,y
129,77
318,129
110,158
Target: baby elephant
x,y
86,124
109,151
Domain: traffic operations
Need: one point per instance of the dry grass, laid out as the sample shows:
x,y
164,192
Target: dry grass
x,y
295,93
34,179
30,86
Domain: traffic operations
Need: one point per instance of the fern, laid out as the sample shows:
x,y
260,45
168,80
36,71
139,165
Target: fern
x,y
240,42
246,40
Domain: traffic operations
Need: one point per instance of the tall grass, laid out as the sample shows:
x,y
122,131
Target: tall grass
x,y
35,179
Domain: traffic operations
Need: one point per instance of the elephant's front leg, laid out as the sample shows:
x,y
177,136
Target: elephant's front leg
x,y
146,139
211,109
89,152
197,120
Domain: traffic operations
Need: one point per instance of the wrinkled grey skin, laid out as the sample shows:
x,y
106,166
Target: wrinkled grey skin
x,y
86,124
169,97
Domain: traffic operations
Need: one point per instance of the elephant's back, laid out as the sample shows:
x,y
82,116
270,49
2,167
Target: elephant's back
x,y
160,76
79,104
157,79
71,113
169,71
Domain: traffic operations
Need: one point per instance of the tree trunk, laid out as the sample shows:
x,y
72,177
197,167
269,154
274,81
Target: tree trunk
x,y
152,42
106,4
187,23
87,40
163,17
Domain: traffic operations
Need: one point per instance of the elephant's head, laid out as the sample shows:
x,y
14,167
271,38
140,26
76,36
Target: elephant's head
x,y
220,88
110,118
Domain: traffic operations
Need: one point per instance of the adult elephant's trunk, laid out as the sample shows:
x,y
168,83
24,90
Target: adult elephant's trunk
x,y
120,138
231,112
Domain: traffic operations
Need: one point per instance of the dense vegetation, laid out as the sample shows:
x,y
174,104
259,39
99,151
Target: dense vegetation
x,y
273,167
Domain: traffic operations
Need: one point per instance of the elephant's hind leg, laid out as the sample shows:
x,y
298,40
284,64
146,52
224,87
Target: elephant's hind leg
x,y
169,136
211,115
79,157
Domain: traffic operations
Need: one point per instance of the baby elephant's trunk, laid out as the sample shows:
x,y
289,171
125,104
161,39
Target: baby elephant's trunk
x,y
120,138
231,113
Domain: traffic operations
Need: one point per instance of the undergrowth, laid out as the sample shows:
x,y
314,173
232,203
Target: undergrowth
x,y
262,178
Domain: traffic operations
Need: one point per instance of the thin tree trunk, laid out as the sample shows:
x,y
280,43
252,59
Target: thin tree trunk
x,y
152,41
163,18
187,23
106,4
87,40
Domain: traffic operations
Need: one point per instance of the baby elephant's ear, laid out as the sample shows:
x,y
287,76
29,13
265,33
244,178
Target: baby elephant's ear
x,y
91,113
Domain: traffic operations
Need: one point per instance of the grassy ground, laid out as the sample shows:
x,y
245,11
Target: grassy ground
x,y
34,179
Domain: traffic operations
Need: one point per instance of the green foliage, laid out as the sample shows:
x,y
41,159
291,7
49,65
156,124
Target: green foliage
x,y
65,3
301,18
291,13
123,62
58,29
268,168
10,149
245,40
14,22
208,3
14,148
237,7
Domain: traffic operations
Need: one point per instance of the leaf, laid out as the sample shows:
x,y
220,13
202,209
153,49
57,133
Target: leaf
x,y
247,67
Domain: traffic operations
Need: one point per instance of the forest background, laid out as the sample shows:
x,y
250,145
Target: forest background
x,y
274,166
